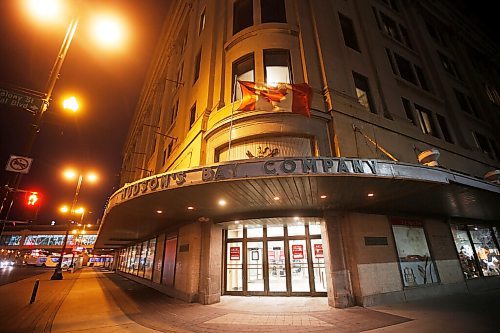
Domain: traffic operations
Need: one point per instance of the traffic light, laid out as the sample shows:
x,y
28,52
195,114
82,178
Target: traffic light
x,y
32,199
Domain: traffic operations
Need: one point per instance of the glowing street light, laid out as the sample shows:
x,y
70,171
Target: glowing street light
x,y
71,104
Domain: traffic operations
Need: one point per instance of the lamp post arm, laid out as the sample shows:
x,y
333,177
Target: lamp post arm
x,y
77,192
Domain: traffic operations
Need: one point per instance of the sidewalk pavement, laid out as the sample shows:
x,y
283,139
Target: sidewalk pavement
x,y
100,301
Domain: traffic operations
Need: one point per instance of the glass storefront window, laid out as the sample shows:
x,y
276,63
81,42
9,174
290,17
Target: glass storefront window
x,y
275,231
255,270
142,260
318,262
234,267
314,229
298,265
137,259
465,252
415,260
148,265
254,231
235,231
296,230
486,250
131,258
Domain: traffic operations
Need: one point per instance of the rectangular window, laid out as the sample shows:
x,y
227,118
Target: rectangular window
x,y
348,32
466,103
435,34
415,261
243,69
482,143
405,69
405,36
175,110
390,27
468,262
169,148
486,250
148,265
444,128
179,76
363,92
408,111
273,11
242,15
494,148
449,66
192,115
426,122
277,65
421,78
164,157
197,63
391,61
203,18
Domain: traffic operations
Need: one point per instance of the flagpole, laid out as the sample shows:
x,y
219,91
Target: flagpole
x,y
232,112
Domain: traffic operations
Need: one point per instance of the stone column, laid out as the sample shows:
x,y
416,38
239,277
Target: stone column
x,y
210,262
333,233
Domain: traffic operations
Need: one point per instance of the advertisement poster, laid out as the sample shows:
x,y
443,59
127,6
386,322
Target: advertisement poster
x,y
318,250
297,251
234,253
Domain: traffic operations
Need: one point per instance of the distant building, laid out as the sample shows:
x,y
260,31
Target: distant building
x,y
378,197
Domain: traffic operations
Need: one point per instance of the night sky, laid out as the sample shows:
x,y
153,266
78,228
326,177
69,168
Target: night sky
x,y
108,83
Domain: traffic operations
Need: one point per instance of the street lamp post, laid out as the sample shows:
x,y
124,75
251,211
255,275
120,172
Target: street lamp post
x,y
69,174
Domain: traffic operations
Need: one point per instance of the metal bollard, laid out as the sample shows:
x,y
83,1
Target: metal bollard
x,y
35,289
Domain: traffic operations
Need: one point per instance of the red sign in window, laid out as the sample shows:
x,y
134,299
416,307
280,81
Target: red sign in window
x,y
318,250
297,251
234,253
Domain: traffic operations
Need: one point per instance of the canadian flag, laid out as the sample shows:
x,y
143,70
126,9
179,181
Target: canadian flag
x,y
283,97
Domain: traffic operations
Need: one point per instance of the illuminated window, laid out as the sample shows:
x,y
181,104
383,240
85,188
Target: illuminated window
x,y
426,122
242,15
363,92
273,11
277,66
243,69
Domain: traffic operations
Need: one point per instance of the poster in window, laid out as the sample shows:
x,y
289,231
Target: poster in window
x,y
417,267
318,250
234,253
297,251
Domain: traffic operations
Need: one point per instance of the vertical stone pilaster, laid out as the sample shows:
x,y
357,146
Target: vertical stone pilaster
x,y
340,294
210,262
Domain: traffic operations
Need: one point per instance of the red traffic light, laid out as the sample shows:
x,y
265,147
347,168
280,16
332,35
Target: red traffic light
x,y
32,199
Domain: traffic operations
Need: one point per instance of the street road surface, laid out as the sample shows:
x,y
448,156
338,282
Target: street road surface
x,y
16,273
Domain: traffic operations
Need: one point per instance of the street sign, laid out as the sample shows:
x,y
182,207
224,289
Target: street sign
x,y
19,164
20,100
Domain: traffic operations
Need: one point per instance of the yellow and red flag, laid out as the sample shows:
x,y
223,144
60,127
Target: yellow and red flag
x,y
283,97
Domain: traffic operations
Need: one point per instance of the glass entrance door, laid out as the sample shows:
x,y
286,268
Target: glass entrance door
x,y
277,271
274,260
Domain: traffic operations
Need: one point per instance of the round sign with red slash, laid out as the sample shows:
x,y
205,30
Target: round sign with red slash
x,y
19,164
